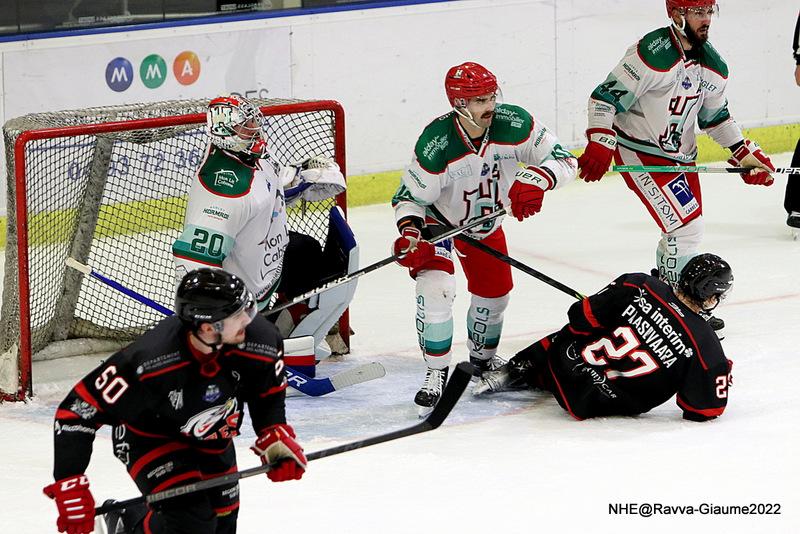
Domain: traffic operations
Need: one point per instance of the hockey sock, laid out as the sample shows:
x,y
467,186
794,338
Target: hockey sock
x,y
484,325
434,317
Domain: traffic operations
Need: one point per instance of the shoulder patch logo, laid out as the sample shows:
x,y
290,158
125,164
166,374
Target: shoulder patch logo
x,y
226,178
437,144
659,45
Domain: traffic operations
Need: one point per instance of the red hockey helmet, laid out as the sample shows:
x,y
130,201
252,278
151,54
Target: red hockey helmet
x,y
685,4
466,81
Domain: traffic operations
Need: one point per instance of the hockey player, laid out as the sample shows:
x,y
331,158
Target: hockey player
x,y
632,346
645,113
791,200
236,214
175,398
466,164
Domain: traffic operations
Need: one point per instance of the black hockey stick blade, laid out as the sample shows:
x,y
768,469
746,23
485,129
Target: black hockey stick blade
x,y
452,392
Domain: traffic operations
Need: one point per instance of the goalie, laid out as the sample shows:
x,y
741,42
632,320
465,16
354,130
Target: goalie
x,y
236,219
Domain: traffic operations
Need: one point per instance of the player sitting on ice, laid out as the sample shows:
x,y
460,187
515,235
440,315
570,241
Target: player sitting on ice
x,y
175,398
467,164
632,346
236,219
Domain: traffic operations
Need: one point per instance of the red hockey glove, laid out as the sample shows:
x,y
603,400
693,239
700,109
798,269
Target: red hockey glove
x,y
75,504
419,254
749,154
276,447
596,159
527,191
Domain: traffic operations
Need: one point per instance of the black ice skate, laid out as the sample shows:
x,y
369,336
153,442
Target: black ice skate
x,y
481,366
427,397
506,377
793,221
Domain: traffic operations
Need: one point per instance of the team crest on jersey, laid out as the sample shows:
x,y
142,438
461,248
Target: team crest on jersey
x,y
687,83
212,393
485,170
201,424
225,178
176,398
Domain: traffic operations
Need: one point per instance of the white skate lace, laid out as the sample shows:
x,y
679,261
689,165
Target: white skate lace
x,y
433,381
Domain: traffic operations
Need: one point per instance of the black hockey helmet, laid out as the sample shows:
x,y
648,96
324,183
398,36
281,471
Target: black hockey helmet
x,y
211,295
706,275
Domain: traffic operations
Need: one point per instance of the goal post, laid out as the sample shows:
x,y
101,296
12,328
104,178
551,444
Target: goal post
x,y
107,186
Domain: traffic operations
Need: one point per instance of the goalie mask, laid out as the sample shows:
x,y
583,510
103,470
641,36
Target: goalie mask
x,y
235,124
466,81
705,276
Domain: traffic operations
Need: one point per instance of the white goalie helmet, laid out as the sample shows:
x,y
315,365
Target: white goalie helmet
x,y
236,124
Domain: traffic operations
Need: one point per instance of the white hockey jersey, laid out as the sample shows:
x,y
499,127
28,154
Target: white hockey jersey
x,y
463,181
236,220
657,94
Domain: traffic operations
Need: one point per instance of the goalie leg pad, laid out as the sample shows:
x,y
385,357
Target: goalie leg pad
x,y
436,291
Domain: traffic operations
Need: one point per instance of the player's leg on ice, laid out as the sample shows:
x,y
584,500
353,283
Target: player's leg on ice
x,y
791,200
489,282
526,369
434,323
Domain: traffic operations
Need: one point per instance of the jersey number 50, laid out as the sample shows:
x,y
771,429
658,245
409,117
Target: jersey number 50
x,y
593,354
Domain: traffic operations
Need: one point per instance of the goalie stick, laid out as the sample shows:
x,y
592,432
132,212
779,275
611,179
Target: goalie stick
x,y
452,392
386,261
313,387
698,168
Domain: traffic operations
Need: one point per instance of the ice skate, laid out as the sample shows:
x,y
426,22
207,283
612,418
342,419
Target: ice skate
x,y
427,397
793,221
482,366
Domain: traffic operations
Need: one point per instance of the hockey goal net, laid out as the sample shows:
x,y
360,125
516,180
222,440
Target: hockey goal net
x,y
107,186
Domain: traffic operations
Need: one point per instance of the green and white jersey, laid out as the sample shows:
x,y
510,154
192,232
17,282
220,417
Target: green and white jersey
x,y
463,181
236,220
656,96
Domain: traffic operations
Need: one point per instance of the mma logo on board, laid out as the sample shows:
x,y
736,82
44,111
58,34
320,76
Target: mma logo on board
x,y
153,71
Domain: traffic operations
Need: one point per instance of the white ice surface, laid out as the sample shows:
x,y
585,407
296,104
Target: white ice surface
x,y
514,463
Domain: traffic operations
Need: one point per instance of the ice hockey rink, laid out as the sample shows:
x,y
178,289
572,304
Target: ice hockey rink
x,y
514,462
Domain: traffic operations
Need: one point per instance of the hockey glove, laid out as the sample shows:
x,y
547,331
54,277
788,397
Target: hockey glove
x,y
527,191
418,254
276,447
749,154
75,504
596,159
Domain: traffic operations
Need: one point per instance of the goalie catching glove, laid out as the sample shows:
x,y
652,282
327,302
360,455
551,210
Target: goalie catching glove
x,y
527,191
596,159
313,179
749,154
277,448
75,504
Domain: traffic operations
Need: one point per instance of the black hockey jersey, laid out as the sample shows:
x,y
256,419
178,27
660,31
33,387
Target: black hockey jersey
x,y
157,387
632,346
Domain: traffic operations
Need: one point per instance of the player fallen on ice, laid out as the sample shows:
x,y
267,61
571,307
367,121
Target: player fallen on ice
x,y
632,346
236,219
645,113
175,399
466,164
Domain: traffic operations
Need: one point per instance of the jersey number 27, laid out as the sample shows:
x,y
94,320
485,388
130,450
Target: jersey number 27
x,y
597,352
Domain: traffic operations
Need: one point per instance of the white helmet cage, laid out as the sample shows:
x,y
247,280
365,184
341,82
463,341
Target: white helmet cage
x,y
228,117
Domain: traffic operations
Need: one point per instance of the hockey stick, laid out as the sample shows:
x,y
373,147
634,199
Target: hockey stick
x,y
699,168
452,392
386,261
313,387
511,261
521,266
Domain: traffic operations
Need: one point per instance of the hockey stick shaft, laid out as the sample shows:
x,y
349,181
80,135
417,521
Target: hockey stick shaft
x,y
698,168
452,392
85,269
313,387
386,261
521,266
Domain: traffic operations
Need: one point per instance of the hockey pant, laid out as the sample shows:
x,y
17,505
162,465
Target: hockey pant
x,y
674,201
577,387
156,464
306,266
489,282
